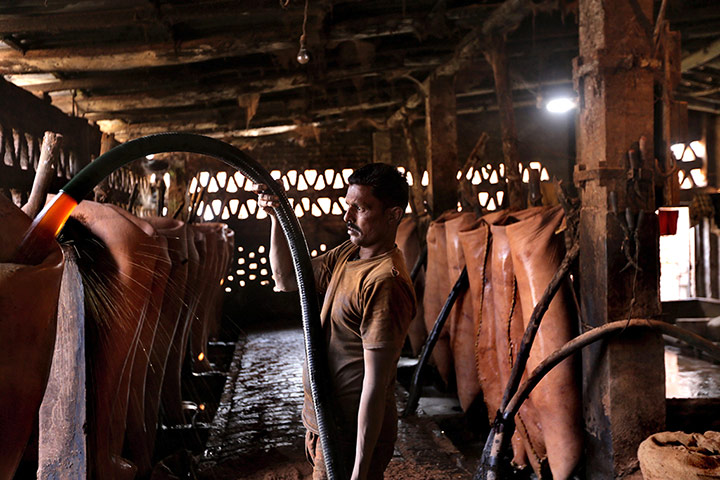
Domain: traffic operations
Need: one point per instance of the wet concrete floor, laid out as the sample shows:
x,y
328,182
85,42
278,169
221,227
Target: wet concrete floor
x,y
690,377
257,432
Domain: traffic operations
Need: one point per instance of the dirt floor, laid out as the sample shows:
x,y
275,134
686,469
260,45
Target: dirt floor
x,y
257,433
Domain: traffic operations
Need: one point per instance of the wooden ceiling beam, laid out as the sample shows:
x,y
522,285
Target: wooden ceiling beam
x,y
700,57
114,57
144,15
175,95
158,84
119,57
234,117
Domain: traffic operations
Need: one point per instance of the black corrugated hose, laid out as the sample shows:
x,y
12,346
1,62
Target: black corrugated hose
x,y
461,284
493,465
83,183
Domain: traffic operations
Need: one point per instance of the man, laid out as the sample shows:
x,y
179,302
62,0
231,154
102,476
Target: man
x,y
369,303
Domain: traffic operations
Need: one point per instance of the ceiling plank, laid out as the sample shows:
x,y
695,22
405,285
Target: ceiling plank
x,y
144,15
113,57
173,96
700,57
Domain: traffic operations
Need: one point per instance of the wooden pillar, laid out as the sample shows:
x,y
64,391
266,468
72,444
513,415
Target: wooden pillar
x,y
497,58
713,150
623,379
442,161
382,147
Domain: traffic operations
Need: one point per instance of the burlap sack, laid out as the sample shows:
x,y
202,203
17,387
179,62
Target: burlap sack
x,y
679,455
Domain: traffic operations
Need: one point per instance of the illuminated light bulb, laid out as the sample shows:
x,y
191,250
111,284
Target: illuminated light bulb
x,y
201,407
303,57
201,357
560,105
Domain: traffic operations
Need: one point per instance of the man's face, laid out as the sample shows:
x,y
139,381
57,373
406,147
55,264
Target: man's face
x,y
368,221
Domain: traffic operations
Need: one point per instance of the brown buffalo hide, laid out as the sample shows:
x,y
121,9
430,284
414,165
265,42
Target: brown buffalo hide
x,y
437,288
537,251
198,337
175,233
112,255
527,441
171,388
224,244
156,260
28,305
461,322
217,237
476,243
408,242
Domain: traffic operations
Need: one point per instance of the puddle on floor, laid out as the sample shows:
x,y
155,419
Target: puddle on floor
x,y
690,377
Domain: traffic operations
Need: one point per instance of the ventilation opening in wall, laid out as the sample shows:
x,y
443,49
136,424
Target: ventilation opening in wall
x,y
677,254
691,164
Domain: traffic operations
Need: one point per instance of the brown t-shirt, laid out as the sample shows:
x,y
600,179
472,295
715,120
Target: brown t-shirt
x,y
368,305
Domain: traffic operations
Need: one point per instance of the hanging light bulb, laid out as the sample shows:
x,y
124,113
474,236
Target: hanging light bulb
x,y
303,57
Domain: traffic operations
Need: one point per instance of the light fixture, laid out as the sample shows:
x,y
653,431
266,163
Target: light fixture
x,y
560,104
303,57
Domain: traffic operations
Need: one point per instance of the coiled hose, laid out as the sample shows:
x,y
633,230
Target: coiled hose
x,y
83,183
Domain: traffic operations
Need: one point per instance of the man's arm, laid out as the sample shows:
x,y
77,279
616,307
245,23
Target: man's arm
x,y
280,258
379,368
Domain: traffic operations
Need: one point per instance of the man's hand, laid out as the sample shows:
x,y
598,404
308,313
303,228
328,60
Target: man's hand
x,y
267,201
280,257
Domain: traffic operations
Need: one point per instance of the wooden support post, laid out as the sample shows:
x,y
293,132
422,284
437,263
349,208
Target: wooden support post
x,y
44,173
382,147
624,379
496,57
417,191
442,162
712,137
62,417
101,191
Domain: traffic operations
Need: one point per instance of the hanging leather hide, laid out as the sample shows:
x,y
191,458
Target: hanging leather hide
x,y
409,244
171,388
461,323
537,251
28,306
437,288
118,285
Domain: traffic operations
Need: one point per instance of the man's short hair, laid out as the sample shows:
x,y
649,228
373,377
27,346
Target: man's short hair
x,y
385,182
